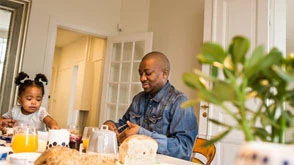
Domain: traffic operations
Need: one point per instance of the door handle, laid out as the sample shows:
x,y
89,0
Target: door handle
x,y
205,107
204,114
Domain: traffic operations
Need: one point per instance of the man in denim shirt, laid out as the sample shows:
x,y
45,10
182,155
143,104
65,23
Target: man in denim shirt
x,y
157,112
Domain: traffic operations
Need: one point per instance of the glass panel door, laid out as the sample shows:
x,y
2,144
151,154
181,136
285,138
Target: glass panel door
x,y
121,70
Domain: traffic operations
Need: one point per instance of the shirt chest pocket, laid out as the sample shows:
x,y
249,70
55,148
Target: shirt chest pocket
x,y
154,119
135,117
154,123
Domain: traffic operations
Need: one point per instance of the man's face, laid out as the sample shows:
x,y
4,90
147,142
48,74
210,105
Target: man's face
x,y
152,75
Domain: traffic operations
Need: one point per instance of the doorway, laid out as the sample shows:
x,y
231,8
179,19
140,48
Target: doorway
x,y
76,78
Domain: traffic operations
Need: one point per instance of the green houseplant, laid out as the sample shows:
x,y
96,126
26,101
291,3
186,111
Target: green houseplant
x,y
237,76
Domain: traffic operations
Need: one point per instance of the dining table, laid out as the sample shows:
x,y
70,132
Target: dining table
x,y
159,159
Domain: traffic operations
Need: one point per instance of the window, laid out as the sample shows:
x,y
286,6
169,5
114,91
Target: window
x,y
3,44
13,26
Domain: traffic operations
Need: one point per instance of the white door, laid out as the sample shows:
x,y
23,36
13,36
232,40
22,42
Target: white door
x,y
223,20
124,54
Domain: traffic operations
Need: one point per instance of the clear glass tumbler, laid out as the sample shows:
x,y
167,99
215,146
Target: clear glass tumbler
x,y
86,136
25,139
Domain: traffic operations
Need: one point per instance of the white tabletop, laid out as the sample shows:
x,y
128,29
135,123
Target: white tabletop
x,y
160,160
168,160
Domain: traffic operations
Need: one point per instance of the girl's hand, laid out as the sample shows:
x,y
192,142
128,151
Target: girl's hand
x,y
7,122
54,126
50,122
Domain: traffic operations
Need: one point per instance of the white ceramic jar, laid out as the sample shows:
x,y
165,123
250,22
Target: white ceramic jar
x,y
103,141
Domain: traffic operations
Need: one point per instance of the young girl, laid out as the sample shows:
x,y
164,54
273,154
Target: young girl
x,y
29,110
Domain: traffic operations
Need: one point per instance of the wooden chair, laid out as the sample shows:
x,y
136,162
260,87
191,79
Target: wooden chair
x,y
207,152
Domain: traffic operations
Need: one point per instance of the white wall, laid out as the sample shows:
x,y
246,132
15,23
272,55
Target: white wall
x,y
289,27
178,32
177,27
134,16
98,17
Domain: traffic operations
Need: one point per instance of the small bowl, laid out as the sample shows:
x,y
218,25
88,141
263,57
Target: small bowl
x,y
24,158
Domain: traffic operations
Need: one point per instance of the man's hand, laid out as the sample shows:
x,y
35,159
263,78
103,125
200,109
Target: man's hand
x,y
132,129
112,127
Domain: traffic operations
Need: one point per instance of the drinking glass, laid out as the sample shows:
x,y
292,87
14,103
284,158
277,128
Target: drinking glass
x,y
86,135
75,137
25,139
73,129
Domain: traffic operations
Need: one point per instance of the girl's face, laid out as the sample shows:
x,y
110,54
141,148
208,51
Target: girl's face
x,y
30,100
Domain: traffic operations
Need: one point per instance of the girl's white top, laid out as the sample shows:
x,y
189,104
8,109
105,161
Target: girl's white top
x,y
35,119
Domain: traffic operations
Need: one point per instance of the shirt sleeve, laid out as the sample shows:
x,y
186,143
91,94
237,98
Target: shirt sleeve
x,y
42,113
183,131
8,115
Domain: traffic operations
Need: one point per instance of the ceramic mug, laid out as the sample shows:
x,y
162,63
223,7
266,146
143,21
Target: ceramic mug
x,y
58,137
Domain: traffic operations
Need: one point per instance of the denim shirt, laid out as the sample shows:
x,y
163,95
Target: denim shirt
x,y
163,119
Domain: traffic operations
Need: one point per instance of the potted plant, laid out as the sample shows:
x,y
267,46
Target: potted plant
x,y
236,77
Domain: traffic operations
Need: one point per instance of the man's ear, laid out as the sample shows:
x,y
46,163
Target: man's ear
x,y
165,74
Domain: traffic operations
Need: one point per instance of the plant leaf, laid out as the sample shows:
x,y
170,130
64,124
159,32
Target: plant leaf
x,y
253,64
274,57
238,49
217,138
193,81
286,76
223,91
219,123
211,52
261,133
189,103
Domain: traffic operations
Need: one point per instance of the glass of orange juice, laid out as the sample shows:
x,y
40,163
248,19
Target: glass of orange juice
x,y
86,136
25,139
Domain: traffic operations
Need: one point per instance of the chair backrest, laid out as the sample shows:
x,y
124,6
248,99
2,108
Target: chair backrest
x,y
207,152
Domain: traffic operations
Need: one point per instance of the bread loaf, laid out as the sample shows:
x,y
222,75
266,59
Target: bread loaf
x,y
60,155
138,149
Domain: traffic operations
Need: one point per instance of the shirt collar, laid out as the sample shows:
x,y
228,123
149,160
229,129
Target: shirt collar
x,y
161,93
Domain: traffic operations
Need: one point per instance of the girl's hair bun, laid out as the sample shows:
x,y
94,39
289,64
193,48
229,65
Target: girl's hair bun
x,y
20,78
41,78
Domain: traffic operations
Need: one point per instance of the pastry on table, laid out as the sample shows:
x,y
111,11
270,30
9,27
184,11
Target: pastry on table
x,y
60,155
